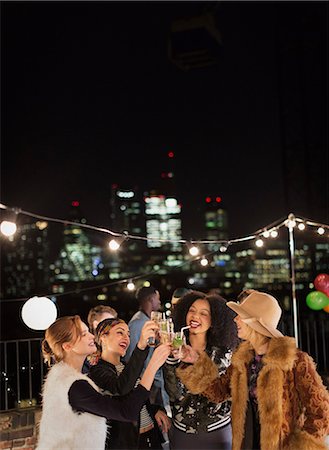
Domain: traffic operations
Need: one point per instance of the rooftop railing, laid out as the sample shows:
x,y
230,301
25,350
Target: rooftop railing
x,y
23,369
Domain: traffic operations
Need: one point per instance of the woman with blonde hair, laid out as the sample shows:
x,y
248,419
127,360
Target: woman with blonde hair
x,y
74,412
279,401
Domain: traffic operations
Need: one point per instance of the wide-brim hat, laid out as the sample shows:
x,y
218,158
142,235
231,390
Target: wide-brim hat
x,y
261,312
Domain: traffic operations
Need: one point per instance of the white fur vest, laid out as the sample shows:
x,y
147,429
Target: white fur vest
x,y
60,427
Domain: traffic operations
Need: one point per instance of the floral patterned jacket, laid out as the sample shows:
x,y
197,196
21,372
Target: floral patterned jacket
x,y
292,399
195,413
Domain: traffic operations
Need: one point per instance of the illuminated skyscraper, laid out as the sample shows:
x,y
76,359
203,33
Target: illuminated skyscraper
x,y
79,259
163,221
216,222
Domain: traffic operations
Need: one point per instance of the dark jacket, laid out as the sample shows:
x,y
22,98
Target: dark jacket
x,y
195,413
123,435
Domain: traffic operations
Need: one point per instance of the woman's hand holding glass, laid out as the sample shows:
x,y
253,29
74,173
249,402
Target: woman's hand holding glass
x,y
148,333
156,316
188,355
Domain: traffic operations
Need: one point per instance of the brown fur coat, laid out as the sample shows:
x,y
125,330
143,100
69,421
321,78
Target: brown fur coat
x,y
292,400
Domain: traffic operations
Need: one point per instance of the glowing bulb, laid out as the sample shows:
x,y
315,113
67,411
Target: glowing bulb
x,y
130,286
274,234
259,243
8,228
204,262
266,234
114,245
321,230
223,248
194,251
301,226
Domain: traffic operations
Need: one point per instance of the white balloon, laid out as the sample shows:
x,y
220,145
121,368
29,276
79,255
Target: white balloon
x,y
38,313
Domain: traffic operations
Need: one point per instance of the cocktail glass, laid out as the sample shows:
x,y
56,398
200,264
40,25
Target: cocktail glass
x,y
178,343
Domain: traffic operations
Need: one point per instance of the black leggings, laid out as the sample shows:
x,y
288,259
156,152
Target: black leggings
x,y
149,439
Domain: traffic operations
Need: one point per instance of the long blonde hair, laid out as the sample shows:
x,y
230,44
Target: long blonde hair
x,y
64,329
255,338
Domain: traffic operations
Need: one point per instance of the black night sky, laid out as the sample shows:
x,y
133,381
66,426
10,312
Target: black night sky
x,y
90,98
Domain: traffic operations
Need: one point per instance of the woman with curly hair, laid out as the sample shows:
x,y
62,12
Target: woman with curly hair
x,y
198,422
279,401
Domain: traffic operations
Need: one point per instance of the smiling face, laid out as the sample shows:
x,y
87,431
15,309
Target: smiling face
x,y
243,329
85,343
199,317
117,339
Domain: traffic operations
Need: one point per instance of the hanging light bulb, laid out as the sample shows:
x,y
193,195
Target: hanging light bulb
x,y
274,234
8,228
259,242
114,245
321,230
115,242
301,226
223,247
266,234
193,249
204,262
130,286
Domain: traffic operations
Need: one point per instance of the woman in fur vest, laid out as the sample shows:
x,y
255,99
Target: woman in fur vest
x,y
74,412
279,401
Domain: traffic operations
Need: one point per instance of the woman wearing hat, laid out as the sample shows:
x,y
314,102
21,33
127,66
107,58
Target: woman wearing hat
x,y
279,401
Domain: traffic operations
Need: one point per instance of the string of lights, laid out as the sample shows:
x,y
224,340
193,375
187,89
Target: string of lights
x,y
268,231
265,231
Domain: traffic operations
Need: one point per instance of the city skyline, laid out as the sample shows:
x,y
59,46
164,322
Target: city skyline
x,y
92,97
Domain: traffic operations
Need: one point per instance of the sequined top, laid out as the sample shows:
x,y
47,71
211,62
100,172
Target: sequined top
x,y
194,413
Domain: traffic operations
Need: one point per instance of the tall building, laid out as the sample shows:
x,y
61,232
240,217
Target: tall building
x,y
79,259
25,260
216,221
127,213
163,221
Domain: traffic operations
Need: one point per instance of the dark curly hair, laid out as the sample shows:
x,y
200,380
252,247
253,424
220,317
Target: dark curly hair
x,y
223,331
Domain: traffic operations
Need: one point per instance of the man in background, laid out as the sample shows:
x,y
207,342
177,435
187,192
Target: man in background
x,y
177,294
148,300
99,313
96,315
